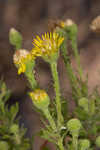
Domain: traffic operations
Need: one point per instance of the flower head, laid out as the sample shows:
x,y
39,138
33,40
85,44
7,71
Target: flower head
x,y
48,45
20,58
40,98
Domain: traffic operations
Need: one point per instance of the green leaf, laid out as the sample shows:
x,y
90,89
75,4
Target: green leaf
x,y
13,112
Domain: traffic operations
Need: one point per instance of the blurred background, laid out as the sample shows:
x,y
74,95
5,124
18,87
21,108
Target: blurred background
x,y
30,17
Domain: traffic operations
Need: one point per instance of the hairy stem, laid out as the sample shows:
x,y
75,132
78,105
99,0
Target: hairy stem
x,y
31,79
57,91
76,54
72,77
75,143
50,119
60,144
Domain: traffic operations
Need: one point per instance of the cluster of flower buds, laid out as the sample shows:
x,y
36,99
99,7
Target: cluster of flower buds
x,y
46,47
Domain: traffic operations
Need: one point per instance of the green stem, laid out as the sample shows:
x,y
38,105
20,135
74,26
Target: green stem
x,y
76,54
31,79
60,144
50,119
72,77
75,143
57,91
2,107
18,45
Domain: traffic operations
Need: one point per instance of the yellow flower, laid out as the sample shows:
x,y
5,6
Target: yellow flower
x,y
22,68
47,45
20,58
38,95
40,98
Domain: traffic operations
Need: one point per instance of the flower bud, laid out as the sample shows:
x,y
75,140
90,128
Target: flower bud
x,y
4,145
98,141
83,102
15,38
74,125
67,23
84,144
19,55
40,99
21,58
95,25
